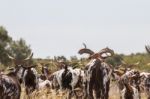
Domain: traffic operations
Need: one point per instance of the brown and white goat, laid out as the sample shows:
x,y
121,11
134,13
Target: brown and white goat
x,y
129,84
9,86
129,92
98,73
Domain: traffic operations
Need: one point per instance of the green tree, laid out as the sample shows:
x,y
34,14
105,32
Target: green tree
x,y
60,58
19,49
5,40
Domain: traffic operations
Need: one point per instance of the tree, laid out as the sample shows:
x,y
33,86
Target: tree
x,y
5,40
115,60
60,58
19,49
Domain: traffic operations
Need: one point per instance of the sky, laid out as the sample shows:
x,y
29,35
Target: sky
x,y
59,27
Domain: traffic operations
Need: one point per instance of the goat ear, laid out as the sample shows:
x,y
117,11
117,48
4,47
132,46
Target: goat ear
x,y
141,76
33,66
10,68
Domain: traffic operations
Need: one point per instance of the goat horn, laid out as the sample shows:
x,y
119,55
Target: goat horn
x,y
29,57
10,57
106,50
84,45
147,47
85,50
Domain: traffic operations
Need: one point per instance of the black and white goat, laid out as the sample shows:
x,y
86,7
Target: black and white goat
x,y
68,78
98,73
45,78
26,74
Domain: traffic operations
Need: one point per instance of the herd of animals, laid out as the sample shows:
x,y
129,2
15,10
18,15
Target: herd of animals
x,y
90,82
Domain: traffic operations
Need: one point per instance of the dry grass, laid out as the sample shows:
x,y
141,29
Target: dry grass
x,y
50,94
44,94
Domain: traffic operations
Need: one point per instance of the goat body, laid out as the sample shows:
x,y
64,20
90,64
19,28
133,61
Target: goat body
x,y
9,87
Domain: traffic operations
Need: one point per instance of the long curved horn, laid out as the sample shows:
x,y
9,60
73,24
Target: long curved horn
x,y
106,51
147,47
85,50
10,57
29,57
84,45
10,68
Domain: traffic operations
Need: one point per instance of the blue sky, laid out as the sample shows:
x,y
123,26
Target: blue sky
x,y
59,27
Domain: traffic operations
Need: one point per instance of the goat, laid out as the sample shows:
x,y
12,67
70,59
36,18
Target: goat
x,y
67,78
129,92
145,78
145,83
30,79
26,74
129,80
97,73
45,72
147,86
45,79
45,84
9,86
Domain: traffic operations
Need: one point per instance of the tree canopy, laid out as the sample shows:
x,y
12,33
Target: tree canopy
x,y
5,40
18,49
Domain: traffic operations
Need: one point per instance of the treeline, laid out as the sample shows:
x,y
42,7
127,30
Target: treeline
x,y
19,49
139,61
